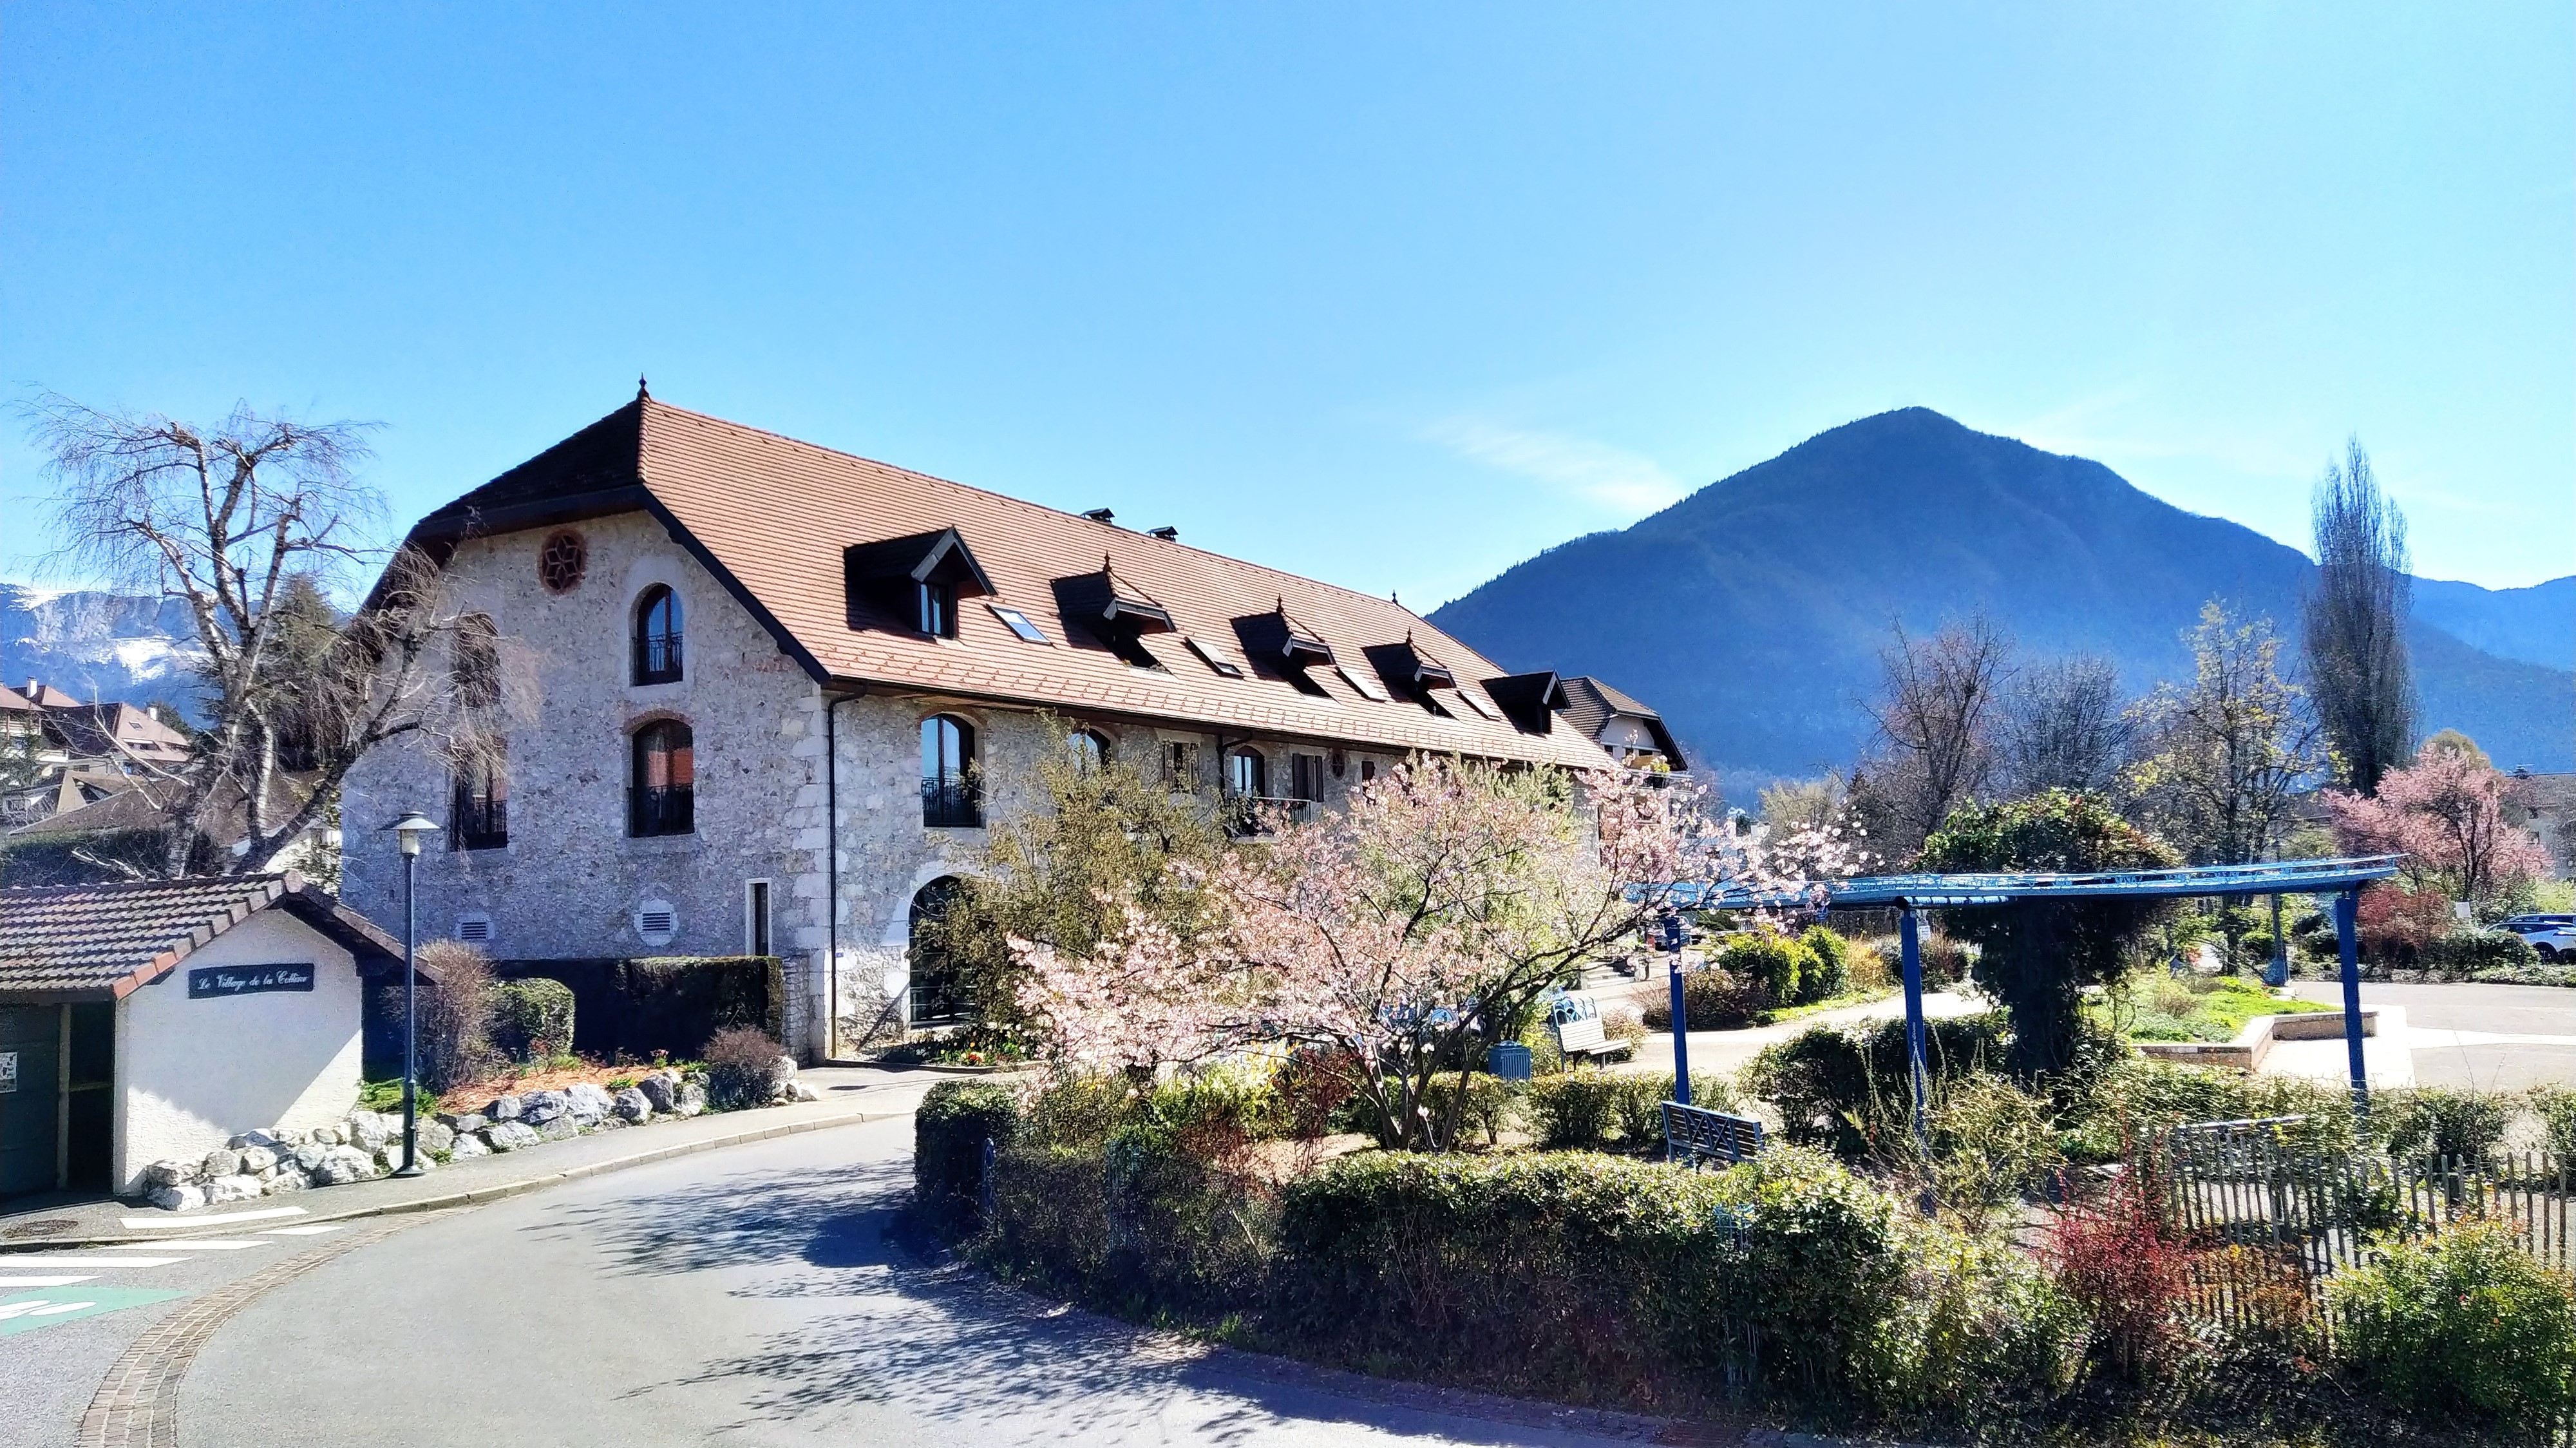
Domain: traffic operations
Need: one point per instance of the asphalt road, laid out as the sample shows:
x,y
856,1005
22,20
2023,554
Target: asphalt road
x,y
745,1296
2493,1037
51,1361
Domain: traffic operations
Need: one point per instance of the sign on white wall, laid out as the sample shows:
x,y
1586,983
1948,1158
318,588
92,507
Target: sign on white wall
x,y
241,980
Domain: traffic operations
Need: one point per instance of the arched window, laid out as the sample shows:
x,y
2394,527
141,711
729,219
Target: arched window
x,y
936,995
661,784
948,794
1247,784
1247,774
657,636
1089,748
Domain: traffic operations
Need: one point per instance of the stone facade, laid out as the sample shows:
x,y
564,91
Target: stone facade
x,y
571,883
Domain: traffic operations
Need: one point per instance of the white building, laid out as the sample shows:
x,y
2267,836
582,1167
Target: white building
x,y
156,1020
775,692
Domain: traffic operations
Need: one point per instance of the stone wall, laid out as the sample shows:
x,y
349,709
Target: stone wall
x,y
570,883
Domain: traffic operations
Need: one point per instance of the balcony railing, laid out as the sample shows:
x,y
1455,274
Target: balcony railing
x,y
1248,815
667,811
950,806
657,658
477,823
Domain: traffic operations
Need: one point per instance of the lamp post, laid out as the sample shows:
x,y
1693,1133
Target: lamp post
x,y
408,832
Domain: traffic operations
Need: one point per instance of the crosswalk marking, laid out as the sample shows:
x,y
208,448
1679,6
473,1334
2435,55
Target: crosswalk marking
x,y
167,1223
187,1244
12,1284
310,1229
94,1262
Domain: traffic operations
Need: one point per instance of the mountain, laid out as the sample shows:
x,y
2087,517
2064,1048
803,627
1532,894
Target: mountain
x,y
2536,625
101,646
1751,613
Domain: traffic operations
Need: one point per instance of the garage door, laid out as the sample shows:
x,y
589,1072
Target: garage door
x,y
30,1079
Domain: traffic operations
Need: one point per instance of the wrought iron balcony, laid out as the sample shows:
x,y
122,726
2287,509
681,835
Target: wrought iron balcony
x,y
477,823
671,810
657,658
950,806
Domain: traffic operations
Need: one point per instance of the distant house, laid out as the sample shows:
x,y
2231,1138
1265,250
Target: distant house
x,y
62,753
1628,730
148,1021
782,691
112,826
2551,798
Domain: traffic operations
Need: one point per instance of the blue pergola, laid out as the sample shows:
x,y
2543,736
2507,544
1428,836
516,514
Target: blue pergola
x,y
2342,878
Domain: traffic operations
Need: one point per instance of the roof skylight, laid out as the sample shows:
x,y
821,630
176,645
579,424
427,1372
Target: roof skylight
x,y
1020,624
1208,656
1359,680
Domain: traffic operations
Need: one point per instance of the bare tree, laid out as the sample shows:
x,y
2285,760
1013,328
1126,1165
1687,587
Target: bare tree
x,y
2226,756
2355,622
1936,714
2066,725
249,522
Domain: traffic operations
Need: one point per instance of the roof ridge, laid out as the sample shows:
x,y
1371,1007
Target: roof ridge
x,y
655,404
178,882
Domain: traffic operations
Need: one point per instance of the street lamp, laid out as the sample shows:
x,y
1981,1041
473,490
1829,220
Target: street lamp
x,y
408,832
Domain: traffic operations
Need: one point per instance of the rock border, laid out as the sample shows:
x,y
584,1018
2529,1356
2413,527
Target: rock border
x,y
368,1145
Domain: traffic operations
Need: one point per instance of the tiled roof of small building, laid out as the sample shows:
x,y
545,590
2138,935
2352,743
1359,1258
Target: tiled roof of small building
x,y
69,942
771,518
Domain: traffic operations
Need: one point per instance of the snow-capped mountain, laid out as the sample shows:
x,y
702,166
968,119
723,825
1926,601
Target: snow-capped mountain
x,y
101,646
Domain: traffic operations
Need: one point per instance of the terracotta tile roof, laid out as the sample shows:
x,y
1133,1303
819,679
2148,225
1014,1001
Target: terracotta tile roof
x,y
772,517
1590,704
104,941
13,702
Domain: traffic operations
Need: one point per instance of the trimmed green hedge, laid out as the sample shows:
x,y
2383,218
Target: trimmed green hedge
x,y
531,1017
1836,1086
1588,1278
1590,1110
949,1130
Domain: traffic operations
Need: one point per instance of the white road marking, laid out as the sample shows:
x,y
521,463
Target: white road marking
x,y
176,1223
310,1229
187,1244
12,1284
94,1262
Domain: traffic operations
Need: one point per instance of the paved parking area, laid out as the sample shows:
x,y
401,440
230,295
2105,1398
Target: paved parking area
x,y
2492,1037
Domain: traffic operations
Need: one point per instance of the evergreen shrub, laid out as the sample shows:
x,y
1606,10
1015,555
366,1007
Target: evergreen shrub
x,y
949,1130
1847,1087
1586,1278
2464,1329
1828,973
531,1018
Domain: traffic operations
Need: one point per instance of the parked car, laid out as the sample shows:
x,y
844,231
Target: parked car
x,y
2553,937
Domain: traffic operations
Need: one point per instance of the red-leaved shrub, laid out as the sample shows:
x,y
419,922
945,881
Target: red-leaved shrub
x,y
2114,1255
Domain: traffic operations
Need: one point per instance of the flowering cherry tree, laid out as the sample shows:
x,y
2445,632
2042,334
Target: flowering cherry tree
x,y
1398,936
2446,814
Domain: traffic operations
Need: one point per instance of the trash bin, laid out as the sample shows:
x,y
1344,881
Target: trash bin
x,y
1510,1060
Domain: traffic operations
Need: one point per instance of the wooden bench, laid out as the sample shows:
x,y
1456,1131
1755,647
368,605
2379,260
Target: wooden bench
x,y
1695,1134
1577,1019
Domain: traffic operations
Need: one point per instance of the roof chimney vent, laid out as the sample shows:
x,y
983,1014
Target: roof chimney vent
x,y
1167,533
1098,515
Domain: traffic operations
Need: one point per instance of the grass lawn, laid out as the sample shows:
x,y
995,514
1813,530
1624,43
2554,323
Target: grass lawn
x,y
2199,1008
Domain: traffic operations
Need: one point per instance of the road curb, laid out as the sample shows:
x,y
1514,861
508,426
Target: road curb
x,y
477,1196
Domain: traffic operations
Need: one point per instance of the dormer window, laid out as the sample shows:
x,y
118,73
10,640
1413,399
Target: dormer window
x,y
935,608
657,636
912,583
1115,611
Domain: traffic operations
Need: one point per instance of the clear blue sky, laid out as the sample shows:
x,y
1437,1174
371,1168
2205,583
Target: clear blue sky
x,y
1391,295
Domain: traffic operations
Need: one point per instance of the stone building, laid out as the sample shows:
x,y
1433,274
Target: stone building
x,y
765,696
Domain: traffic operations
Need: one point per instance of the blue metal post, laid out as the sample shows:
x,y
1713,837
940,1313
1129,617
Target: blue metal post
x,y
1912,949
2347,911
1681,1018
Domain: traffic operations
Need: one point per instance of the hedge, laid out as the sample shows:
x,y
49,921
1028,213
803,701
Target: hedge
x,y
949,1130
1586,1278
668,1003
532,1017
